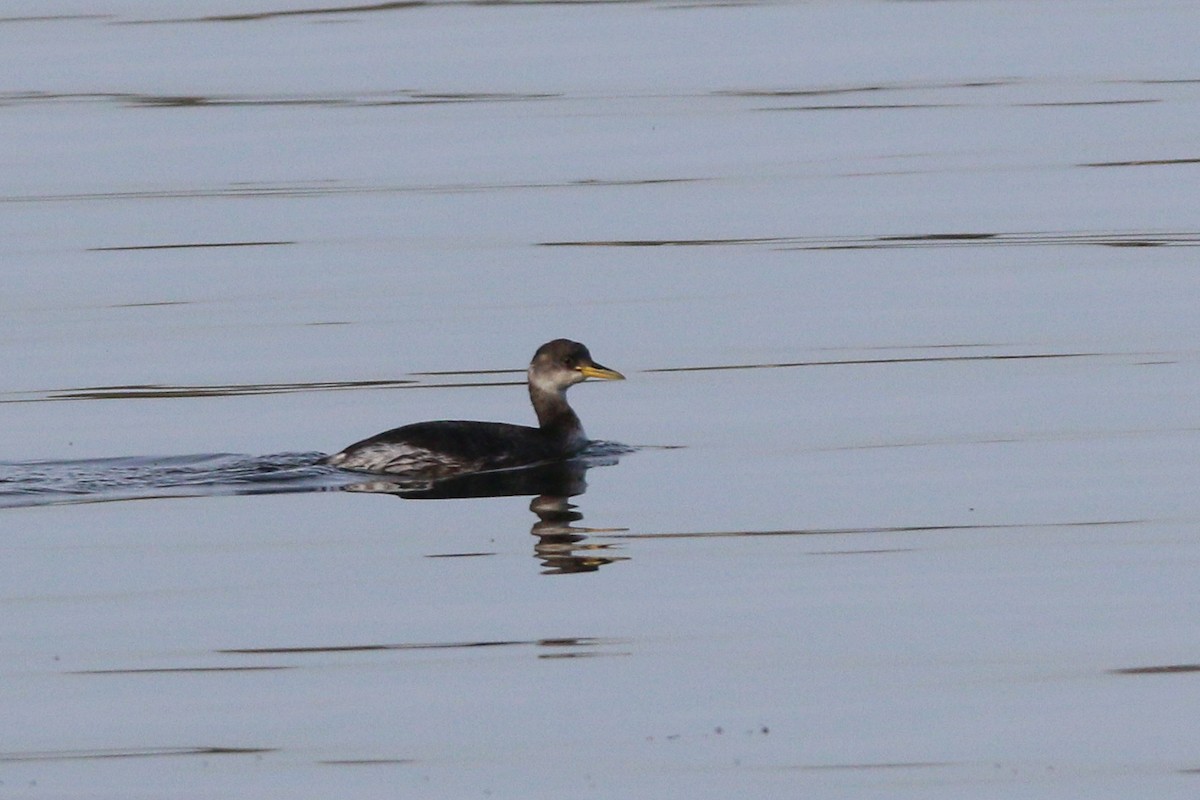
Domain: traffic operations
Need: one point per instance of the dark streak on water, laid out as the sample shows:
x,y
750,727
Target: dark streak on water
x,y
878,551
865,361
580,655
406,5
871,87
1078,103
904,106
183,246
864,107
152,304
368,101
882,765
139,752
887,529
574,641
1159,162
1022,438
160,391
1169,669
173,670
327,188
365,100
416,97
450,372
955,239
396,5
1156,81
55,18
169,391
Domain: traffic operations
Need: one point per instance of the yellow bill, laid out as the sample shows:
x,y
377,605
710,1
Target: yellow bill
x,y
597,371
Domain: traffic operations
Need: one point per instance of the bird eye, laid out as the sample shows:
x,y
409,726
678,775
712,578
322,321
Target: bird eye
x,y
568,361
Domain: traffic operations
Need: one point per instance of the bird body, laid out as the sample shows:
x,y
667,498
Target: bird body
x,y
449,447
446,448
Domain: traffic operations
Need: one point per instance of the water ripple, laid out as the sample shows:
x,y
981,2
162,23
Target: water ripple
x,y
106,480
98,480
933,239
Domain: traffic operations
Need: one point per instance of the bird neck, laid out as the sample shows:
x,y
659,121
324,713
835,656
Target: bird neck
x,y
554,415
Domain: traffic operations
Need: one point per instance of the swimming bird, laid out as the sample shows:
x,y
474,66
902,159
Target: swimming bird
x,y
431,450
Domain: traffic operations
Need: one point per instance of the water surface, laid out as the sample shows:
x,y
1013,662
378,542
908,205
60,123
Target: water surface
x,y
906,297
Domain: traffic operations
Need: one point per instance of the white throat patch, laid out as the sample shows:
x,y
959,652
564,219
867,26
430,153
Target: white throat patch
x,y
544,384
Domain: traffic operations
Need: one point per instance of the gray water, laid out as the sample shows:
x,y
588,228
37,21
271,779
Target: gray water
x,y
897,500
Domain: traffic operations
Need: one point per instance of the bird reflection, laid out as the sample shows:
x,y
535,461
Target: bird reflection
x,y
561,547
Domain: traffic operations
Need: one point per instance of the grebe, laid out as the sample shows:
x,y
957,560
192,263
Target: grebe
x,y
444,448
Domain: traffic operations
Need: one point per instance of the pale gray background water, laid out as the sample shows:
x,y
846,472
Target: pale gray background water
x,y
910,562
